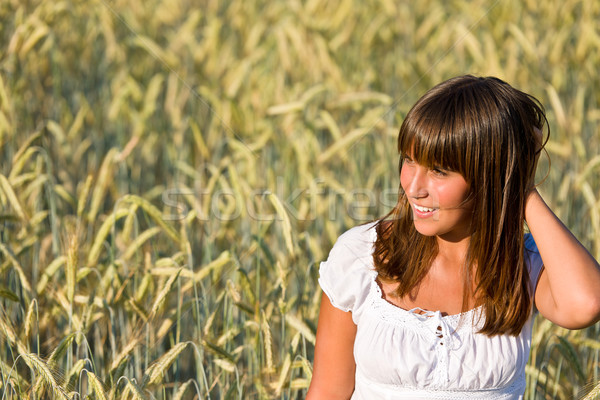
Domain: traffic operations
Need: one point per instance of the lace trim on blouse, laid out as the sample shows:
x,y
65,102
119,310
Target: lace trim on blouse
x,y
406,318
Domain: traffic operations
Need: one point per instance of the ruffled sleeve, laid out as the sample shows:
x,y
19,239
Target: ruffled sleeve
x,y
345,275
533,260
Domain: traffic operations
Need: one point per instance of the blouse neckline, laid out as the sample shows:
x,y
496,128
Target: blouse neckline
x,y
377,296
388,308
417,309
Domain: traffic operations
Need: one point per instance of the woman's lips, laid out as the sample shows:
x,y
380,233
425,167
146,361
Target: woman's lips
x,y
424,212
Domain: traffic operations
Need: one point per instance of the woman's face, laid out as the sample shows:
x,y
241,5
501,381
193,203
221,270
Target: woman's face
x,y
437,198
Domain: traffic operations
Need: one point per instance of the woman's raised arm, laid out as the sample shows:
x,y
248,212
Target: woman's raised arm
x,y
334,366
568,290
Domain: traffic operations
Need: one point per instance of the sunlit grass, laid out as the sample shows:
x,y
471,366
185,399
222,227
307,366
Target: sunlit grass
x,y
172,174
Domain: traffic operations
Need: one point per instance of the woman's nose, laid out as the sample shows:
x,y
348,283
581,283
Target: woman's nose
x,y
417,185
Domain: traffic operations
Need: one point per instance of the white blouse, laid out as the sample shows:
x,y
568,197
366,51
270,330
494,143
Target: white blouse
x,y
421,354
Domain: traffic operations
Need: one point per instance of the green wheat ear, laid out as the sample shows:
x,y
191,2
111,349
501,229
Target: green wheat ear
x,y
62,348
181,390
30,320
268,342
594,394
12,198
161,297
7,330
96,386
136,392
45,375
71,267
156,370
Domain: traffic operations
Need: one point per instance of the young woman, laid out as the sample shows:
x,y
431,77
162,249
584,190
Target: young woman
x,y
435,300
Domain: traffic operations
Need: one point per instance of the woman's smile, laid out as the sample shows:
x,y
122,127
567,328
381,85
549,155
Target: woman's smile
x,y
424,212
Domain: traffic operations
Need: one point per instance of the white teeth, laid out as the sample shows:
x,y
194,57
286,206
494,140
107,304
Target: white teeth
x,y
424,209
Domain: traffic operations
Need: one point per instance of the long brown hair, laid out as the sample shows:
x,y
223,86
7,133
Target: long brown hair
x,y
486,130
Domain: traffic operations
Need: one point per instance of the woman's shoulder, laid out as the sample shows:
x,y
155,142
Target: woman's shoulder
x,y
354,243
344,276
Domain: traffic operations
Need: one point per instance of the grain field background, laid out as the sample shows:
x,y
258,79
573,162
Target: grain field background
x,y
172,172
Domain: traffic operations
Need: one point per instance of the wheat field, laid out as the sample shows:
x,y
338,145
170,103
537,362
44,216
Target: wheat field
x,y
172,173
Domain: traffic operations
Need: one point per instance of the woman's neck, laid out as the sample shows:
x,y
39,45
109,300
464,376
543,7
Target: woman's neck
x,y
453,251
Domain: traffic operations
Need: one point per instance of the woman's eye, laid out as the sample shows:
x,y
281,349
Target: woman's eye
x,y
439,171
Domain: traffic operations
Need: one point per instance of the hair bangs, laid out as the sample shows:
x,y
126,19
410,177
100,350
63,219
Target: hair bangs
x,y
436,138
